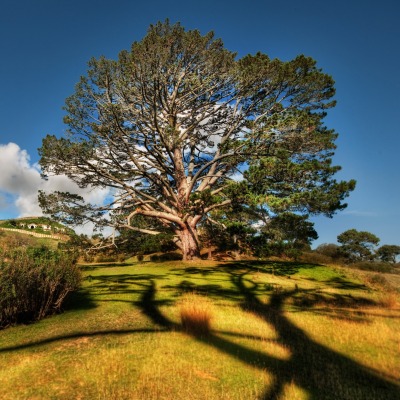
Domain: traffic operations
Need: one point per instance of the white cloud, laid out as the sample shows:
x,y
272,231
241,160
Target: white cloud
x,y
20,181
17,177
237,176
359,213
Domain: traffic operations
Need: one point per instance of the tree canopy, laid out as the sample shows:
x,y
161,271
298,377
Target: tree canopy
x,y
388,253
180,127
357,245
286,234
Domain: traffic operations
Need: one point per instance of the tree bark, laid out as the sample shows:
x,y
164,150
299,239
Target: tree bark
x,y
190,245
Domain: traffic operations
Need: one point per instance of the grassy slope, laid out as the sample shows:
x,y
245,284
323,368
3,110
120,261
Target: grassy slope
x,y
15,239
279,330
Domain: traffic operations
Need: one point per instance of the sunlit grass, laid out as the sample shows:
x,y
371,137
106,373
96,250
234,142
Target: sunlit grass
x,y
187,331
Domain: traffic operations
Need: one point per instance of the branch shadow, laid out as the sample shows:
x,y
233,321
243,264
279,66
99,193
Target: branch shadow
x,y
78,335
323,373
79,300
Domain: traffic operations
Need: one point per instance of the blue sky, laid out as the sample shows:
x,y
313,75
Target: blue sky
x,y
45,46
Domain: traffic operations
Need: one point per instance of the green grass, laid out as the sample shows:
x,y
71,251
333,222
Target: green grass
x,y
174,330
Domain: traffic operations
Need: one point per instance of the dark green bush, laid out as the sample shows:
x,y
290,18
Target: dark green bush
x,y
315,258
378,279
105,258
373,266
330,250
165,257
34,282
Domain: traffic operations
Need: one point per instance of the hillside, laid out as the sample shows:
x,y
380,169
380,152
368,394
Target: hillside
x,y
37,226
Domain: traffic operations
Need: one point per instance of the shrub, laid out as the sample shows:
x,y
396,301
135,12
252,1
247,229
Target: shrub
x,y
34,282
328,249
12,240
165,257
373,266
121,257
105,258
315,258
378,279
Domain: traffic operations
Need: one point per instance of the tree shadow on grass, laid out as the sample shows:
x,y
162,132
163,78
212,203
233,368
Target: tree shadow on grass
x,y
79,300
119,284
214,291
324,373
320,371
79,335
204,271
312,298
279,268
340,283
94,267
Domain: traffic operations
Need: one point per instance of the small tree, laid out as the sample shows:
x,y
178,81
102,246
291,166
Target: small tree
x,y
388,253
168,125
357,245
287,234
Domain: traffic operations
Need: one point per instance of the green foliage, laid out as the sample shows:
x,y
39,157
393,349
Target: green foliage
x,y
328,253
34,283
215,235
165,257
388,253
286,234
373,266
315,258
329,249
76,243
357,245
132,242
287,182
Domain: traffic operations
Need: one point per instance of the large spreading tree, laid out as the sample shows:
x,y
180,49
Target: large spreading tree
x,y
170,125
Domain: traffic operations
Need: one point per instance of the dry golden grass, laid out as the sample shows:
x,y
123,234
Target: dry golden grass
x,y
389,300
368,335
196,314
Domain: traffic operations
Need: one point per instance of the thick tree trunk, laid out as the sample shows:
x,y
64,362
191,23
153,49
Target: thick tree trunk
x,y
189,243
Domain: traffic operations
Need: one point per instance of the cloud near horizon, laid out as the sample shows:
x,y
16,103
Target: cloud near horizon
x,y
20,181
360,213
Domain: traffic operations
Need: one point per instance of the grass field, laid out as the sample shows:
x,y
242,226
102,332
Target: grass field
x,y
208,330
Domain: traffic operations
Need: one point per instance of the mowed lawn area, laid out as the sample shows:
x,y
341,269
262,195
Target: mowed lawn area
x,y
209,330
